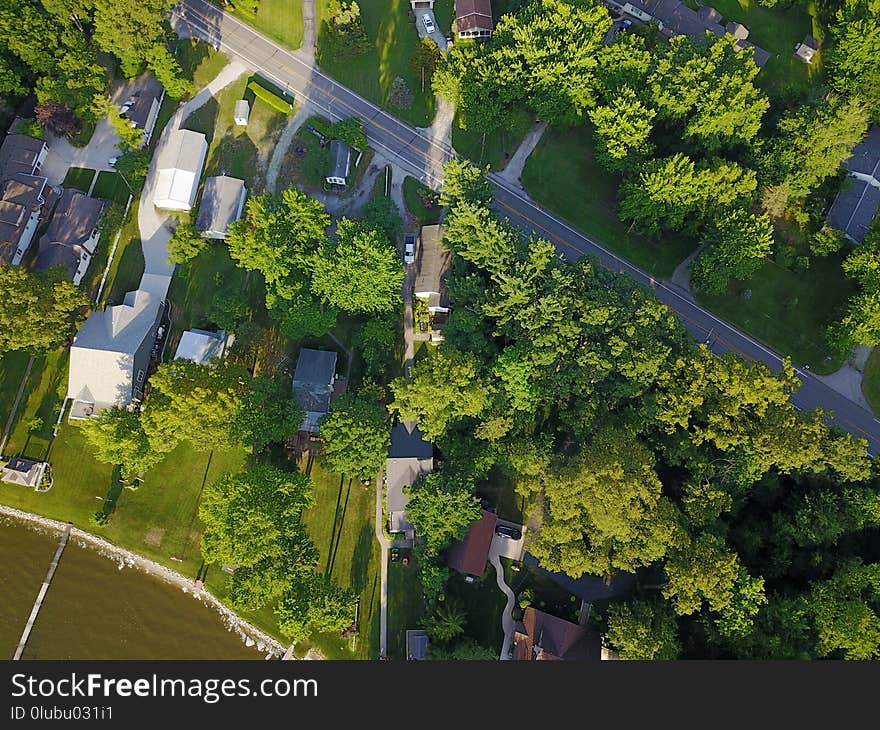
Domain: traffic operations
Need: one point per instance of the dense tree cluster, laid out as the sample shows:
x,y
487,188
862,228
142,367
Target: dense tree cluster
x,y
643,453
52,47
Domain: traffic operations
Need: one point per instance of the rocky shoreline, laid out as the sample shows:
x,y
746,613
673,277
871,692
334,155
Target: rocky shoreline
x,y
249,634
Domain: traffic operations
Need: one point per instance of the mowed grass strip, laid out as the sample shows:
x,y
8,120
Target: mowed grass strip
x,y
280,20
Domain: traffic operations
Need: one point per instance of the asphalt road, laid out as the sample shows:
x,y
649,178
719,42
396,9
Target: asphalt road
x,y
423,157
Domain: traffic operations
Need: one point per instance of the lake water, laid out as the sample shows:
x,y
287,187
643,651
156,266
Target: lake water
x,y
93,610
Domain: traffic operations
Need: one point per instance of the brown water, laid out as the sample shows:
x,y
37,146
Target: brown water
x,y
93,610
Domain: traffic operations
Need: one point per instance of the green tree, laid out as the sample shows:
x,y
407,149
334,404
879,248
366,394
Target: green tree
x,y
704,569
734,248
131,137
356,436
39,310
622,129
168,71
383,215
376,340
346,38
361,272
129,30
445,387
134,165
446,622
117,437
440,512
463,650
854,58
643,630
267,414
314,604
303,316
737,618
826,241
185,244
464,182
251,516
425,60
194,402
228,308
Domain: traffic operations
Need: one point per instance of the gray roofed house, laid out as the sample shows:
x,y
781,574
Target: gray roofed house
x,y
674,18
141,106
72,236
26,473
807,49
222,203
313,385
856,205
110,354
21,200
21,154
341,153
416,644
409,457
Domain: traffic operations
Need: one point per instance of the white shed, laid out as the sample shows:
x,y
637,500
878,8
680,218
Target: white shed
x,y
178,169
242,112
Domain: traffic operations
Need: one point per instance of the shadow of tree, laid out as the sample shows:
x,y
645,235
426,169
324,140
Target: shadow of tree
x,y
360,559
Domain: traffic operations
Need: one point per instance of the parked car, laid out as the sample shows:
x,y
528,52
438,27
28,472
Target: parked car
x,y
112,161
429,23
409,248
395,554
626,23
509,532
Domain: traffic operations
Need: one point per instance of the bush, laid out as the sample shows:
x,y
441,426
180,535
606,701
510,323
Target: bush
x,y
270,97
30,127
401,96
351,130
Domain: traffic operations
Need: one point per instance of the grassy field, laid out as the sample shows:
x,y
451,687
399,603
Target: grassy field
x,y
406,605
789,311
111,186
128,261
12,367
241,152
483,604
390,27
492,149
199,61
562,174
777,31
414,194
305,164
871,380
342,525
79,178
280,20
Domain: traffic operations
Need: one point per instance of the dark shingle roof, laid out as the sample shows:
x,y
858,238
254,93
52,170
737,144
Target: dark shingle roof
x,y
854,209
473,15
866,155
74,219
540,636
18,154
469,556
221,203
341,158
19,197
313,384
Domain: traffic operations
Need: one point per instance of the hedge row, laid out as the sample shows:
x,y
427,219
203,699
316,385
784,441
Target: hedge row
x,y
272,99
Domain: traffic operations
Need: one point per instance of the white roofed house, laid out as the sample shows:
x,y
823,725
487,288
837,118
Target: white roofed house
x,y
111,353
222,203
201,346
179,165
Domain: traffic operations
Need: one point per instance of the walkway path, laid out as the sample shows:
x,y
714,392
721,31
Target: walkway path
x,y
384,544
41,595
507,622
8,427
310,35
848,380
681,277
303,112
513,170
155,225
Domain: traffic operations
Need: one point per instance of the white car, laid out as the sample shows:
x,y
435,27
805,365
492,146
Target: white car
x,y
409,249
429,23
112,161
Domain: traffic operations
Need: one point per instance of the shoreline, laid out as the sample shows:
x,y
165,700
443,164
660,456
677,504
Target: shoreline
x,y
249,634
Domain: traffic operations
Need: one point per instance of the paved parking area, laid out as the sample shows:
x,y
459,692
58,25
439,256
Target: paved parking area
x,y
438,37
504,547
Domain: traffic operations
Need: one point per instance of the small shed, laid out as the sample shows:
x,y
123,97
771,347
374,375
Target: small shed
x,y
416,644
200,346
242,112
26,473
341,153
807,49
737,30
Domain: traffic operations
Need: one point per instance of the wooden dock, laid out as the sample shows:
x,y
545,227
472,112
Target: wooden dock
x,y
41,595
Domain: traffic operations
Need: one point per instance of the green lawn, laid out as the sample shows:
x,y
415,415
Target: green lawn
x,y
871,380
777,31
406,605
128,261
562,175
79,178
483,603
280,20
342,525
390,26
12,367
789,311
547,595
492,149
199,61
111,186
241,152
414,195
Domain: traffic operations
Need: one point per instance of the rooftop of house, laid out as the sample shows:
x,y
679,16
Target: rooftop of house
x,y
142,92
74,219
865,159
19,154
470,555
341,153
184,150
409,457
542,637
24,472
313,384
200,345
432,264
221,203
854,208
19,197
473,15
52,255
